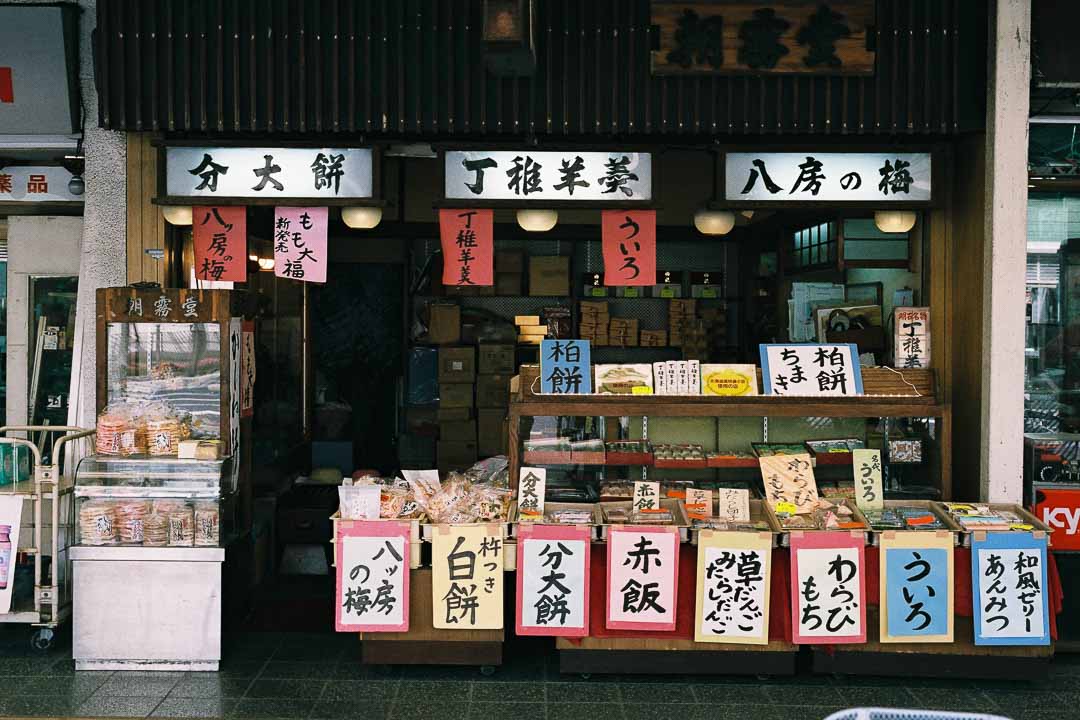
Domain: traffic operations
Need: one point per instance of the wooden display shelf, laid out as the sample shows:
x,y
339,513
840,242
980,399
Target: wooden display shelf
x,y
961,658
674,656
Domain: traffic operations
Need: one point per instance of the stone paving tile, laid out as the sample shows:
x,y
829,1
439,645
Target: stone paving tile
x,y
249,709
508,692
596,691
584,711
350,711
286,689
118,706
507,711
183,707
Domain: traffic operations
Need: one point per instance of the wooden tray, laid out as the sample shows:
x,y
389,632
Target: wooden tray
x,y
678,514
930,506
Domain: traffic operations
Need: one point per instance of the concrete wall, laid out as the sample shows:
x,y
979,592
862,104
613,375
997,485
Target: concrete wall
x,y
36,246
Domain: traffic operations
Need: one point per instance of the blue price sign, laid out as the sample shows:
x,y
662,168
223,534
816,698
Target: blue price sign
x,y
565,368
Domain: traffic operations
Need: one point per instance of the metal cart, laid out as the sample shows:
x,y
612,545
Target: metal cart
x,y
51,525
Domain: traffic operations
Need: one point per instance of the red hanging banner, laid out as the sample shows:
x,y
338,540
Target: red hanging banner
x,y
220,237
629,246
468,247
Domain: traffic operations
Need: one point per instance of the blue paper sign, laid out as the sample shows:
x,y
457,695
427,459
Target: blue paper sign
x,y
1008,572
565,367
917,591
809,370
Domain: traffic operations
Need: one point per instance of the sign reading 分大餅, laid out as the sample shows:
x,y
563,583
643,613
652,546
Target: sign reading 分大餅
x,y
594,177
827,177
268,172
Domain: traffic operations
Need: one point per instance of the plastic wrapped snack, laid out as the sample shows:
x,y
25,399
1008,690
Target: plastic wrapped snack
x,y
121,431
130,519
156,530
182,528
97,523
207,524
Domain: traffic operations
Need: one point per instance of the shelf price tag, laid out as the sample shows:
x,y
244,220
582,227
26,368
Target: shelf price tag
x,y
699,503
734,505
869,494
532,484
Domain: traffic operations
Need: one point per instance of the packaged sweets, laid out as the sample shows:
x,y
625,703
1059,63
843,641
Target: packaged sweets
x,y
130,519
156,530
207,524
97,523
182,528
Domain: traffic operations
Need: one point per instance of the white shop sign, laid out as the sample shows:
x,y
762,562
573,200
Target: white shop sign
x,y
548,175
824,176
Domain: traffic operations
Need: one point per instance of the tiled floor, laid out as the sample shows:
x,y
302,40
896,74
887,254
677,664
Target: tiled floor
x,y
319,676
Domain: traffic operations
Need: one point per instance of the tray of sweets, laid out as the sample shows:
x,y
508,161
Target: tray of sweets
x,y
676,457
629,452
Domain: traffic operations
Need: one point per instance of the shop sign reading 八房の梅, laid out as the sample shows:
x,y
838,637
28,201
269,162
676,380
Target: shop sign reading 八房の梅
x,y
827,177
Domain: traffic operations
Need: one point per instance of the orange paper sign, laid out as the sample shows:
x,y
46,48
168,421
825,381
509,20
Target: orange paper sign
x,y
468,247
629,247
220,238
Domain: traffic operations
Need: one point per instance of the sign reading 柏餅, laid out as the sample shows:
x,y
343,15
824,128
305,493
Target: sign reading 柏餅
x,y
629,246
869,494
642,578
916,587
219,235
1009,577
274,172
531,488
553,580
789,482
544,175
911,342
468,247
467,577
372,560
733,579
565,367
809,370
828,588
300,243
827,177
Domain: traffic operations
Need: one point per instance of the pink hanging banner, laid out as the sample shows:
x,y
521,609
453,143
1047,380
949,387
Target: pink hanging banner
x,y
642,581
219,235
553,580
372,559
300,243
828,588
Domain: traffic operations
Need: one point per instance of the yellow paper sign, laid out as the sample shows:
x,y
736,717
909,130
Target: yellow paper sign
x,y
786,508
467,577
789,478
733,572
869,494
916,590
729,380
638,390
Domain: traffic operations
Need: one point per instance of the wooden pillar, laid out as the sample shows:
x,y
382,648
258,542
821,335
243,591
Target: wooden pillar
x,y
145,225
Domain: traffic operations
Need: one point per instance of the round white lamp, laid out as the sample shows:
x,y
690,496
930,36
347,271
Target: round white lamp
x,y
714,222
177,214
266,264
894,221
360,217
537,220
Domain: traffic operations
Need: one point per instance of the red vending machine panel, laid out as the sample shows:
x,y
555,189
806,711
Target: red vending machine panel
x,y
1060,509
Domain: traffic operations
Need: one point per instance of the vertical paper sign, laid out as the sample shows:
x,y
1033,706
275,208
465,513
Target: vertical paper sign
x,y
811,370
733,574
629,241
468,247
869,494
733,505
828,588
247,369
467,577
911,344
916,588
300,243
565,367
220,239
235,375
789,479
372,561
646,496
699,503
1009,574
553,581
532,483
642,578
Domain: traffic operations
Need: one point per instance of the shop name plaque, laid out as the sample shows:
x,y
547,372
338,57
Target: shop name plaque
x,y
827,177
526,176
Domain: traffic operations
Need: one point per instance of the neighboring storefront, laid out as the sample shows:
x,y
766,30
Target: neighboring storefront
x,y
541,241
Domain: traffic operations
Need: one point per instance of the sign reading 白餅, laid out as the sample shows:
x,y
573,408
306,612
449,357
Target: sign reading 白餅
x,y
596,177
827,177
268,172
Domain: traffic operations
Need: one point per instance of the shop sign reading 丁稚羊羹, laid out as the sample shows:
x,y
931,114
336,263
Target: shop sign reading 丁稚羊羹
x,y
523,176
827,177
268,172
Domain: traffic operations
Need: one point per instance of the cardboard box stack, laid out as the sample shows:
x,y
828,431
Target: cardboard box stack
x,y
457,426
549,275
654,338
497,366
509,272
530,331
623,332
595,322
680,314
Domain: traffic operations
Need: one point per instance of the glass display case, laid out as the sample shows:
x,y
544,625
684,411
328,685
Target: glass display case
x,y
158,502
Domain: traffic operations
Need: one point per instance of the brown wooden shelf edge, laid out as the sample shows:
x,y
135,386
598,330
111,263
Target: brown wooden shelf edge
x,y
614,406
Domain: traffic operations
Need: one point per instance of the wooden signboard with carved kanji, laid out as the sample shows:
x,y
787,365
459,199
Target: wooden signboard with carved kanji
x,y
788,36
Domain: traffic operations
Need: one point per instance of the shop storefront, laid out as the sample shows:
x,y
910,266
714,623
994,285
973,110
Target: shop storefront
x,y
545,288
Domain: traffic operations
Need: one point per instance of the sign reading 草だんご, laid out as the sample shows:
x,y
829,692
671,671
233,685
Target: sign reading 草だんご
x,y
793,177
524,176
268,172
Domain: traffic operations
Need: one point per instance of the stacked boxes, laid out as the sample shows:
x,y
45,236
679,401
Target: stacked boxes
x,y
497,366
457,428
530,331
623,332
595,322
509,272
549,275
654,338
680,314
